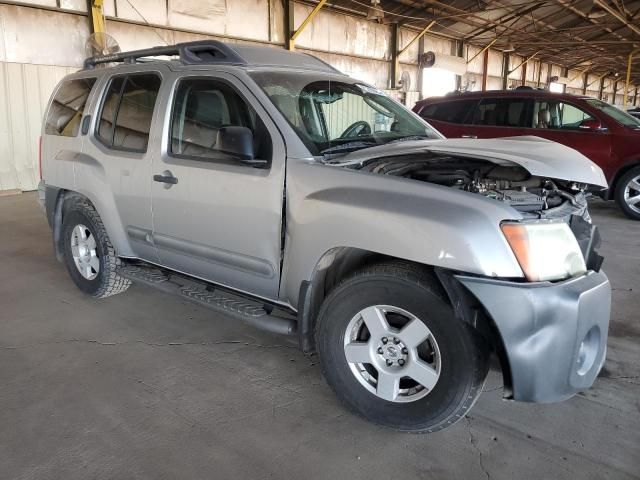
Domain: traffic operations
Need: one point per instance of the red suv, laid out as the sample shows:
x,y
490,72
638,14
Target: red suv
x,y
605,134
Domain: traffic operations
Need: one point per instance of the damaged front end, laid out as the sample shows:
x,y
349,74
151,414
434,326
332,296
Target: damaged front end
x,y
534,197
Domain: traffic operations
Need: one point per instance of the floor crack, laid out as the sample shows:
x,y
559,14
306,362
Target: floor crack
x,y
474,443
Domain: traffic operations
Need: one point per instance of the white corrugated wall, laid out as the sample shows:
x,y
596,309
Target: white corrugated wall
x,y
24,92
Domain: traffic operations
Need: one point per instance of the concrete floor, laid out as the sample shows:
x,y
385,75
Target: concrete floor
x,y
143,385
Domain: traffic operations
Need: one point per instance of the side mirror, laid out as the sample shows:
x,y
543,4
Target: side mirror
x,y
591,124
238,142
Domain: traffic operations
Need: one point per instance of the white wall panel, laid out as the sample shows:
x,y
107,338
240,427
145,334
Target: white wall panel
x,y
153,11
79,5
495,64
477,64
24,92
374,72
515,60
332,32
494,83
29,35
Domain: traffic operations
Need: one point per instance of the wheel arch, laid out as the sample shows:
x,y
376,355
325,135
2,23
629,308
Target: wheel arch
x,y
338,263
619,174
64,198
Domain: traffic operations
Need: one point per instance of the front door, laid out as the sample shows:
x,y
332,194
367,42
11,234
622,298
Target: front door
x,y
564,123
217,214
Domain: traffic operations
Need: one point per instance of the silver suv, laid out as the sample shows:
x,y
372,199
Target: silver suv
x,y
269,186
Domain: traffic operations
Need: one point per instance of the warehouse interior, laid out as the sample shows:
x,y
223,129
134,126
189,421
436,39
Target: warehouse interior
x,y
146,385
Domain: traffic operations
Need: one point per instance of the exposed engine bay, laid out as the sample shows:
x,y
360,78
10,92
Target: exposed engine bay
x,y
534,197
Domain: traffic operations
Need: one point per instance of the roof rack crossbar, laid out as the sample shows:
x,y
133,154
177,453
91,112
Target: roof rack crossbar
x,y
190,53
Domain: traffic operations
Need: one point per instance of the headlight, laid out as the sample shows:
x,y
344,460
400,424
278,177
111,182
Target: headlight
x,y
545,251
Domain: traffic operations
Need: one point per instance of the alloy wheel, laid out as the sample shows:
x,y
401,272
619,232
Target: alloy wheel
x,y
83,250
392,353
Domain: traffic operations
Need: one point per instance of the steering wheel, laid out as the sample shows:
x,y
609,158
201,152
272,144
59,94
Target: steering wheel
x,y
357,129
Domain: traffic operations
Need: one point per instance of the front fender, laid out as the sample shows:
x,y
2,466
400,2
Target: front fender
x,y
329,207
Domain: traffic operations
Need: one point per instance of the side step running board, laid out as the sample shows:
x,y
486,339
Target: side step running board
x,y
249,311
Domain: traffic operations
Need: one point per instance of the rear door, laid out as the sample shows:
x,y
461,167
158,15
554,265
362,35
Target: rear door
x,y
500,117
117,156
215,216
561,121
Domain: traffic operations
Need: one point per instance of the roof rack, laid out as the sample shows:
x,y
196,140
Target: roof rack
x,y
205,52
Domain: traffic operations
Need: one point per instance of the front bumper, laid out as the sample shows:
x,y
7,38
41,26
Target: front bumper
x,y
554,334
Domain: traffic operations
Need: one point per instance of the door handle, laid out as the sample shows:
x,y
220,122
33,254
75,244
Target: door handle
x,y
469,136
85,124
166,178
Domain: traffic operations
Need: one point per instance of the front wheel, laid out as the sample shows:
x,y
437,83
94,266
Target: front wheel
x,y
628,193
393,351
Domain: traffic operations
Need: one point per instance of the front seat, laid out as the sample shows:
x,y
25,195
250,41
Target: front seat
x,y
544,118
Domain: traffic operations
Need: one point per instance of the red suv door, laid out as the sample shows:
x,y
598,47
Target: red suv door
x,y
567,123
499,117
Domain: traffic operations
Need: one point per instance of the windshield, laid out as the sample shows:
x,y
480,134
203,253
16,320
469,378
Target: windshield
x,y
615,113
333,117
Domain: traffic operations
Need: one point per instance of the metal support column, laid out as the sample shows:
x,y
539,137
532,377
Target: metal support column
x,y
96,16
626,83
420,69
459,45
505,70
539,76
485,69
288,24
395,62
601,87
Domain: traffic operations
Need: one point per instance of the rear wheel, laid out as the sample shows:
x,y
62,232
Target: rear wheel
x,y
628,193
393,351
88,253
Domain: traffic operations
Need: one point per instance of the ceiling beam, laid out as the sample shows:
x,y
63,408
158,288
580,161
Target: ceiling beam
x,y
617,15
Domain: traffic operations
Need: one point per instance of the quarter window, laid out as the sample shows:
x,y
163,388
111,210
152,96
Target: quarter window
x,y
201,109
127,111
67,106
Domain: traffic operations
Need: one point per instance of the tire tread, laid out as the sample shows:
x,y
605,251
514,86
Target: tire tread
x,y
425,279
112,283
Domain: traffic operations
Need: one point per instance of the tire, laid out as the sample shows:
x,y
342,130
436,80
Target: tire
x,y
629,186
100,278
453,350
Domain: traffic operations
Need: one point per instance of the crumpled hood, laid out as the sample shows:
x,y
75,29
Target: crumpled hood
x,y
540,157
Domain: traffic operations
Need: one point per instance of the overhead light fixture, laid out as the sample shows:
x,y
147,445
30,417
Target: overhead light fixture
x,y
596,12
509,47
374,12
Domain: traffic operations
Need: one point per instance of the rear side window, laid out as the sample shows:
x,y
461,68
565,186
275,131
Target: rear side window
x,y
127,111
67,106
452,112
504,112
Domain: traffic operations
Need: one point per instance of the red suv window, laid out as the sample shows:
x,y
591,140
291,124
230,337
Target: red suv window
x,y
456,111
504,112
